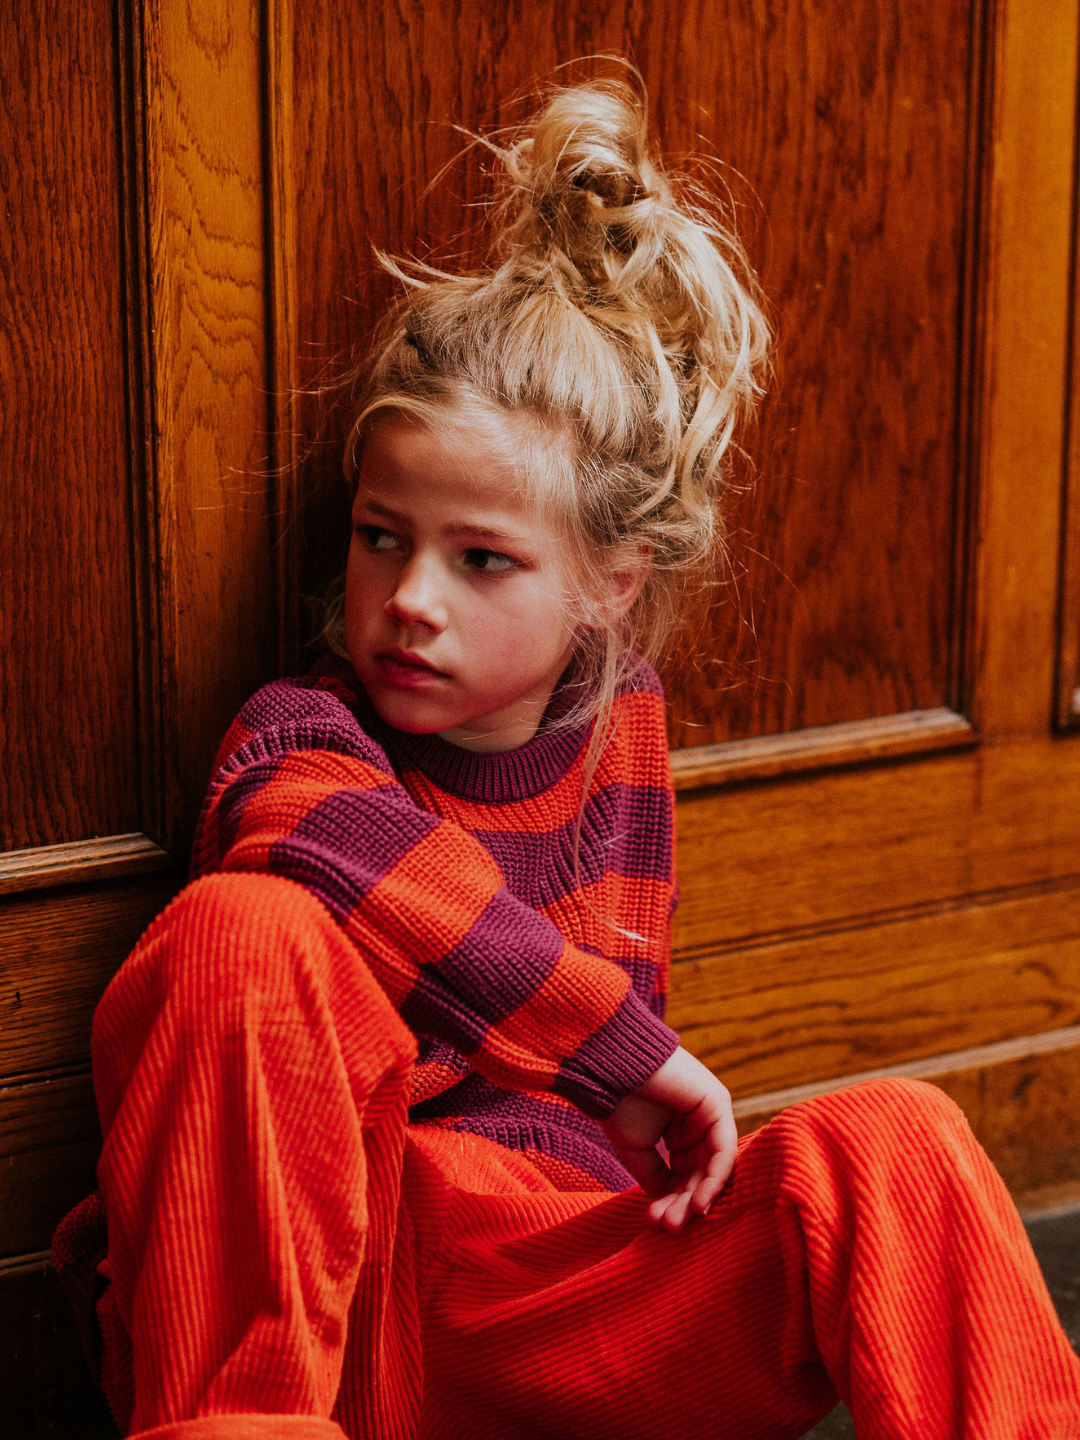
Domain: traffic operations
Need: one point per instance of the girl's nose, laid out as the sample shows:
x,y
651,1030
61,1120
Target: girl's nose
x,y
418,598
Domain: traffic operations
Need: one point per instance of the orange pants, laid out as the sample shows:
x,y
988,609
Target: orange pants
x,y
284,1248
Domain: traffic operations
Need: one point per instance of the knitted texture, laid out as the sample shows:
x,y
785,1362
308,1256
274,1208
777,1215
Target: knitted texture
x,y
538,985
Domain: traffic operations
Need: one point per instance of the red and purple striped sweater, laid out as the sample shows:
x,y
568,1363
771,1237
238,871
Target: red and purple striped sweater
x,y
537,989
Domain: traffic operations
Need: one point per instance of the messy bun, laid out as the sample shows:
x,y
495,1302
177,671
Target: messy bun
x,y
617,326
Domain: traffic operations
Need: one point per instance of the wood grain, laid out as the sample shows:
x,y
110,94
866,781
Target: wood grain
x,y
1024,1111
1067,707
976,1057
848,126
66,619
49,1144
1025,371
918,732
836,847
79,862
212,493
801,1010
58,951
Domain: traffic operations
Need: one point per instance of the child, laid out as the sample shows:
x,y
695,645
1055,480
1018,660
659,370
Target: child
x,y
459,828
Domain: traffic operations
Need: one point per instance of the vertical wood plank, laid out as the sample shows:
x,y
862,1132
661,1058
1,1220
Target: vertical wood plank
x,y
1026,349
213,496
67,708
283,361
1068,646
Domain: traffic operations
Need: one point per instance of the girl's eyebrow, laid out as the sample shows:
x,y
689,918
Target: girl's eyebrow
x,y
481,532
484,532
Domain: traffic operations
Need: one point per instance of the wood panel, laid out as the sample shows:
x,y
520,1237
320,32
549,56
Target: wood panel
x,y
60,951
859,227
759,860
49,1145
1026,1113
1068,640
196,85
1023,1108
66,622
794,1011
1024,402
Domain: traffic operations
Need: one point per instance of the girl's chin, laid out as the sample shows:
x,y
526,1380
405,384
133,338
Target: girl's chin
x,y
412,712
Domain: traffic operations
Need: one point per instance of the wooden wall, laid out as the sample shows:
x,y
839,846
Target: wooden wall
x,y
873,712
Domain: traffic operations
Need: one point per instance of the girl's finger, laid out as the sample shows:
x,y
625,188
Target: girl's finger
x,y
658,1209
677,1213
716,1176
649,1170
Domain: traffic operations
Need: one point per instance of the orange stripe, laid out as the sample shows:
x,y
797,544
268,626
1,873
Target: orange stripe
x,y
640,729
637,904
597,986
555,808
323,771
405,921
302,781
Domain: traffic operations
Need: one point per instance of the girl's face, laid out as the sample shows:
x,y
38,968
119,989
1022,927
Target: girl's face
x,y
456,603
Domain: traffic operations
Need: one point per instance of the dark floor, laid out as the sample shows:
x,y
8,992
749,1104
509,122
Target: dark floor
x,y
1056,1241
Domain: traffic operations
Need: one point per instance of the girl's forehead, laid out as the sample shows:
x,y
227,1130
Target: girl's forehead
x,y
409,466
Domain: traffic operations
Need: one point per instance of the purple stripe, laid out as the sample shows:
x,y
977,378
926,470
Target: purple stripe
x,y
520,1121
626,830
430,1009
501,963
236,796
348,843
616,1059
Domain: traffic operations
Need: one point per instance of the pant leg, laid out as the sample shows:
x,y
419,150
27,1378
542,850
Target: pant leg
x,y
865,1248
252,1080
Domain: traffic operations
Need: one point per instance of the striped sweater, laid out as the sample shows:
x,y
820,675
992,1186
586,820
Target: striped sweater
x,y
453,874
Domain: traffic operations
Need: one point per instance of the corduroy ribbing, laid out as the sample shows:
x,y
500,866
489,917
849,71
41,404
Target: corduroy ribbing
x,y
282,1245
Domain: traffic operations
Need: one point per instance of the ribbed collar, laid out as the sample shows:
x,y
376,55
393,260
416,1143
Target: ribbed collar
x,y
469,774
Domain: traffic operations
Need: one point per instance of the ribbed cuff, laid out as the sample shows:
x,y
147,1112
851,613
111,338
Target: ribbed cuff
x,y
616,1059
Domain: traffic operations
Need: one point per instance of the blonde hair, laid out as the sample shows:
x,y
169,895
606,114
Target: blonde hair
x,y
619,326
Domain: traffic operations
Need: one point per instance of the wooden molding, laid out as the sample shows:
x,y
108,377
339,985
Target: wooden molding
x,y
1021,1099
765,757
971,409
75,863
282,348
1023,381
975,1057
159,781
1067,700
802,1010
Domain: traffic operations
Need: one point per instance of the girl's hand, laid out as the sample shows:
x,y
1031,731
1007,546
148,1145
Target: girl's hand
x,y
684,1105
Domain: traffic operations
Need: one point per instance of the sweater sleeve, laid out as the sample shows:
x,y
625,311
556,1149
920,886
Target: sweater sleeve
x,y
302,791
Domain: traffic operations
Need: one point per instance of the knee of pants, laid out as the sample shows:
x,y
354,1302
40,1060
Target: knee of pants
x,y
881,1114
242,942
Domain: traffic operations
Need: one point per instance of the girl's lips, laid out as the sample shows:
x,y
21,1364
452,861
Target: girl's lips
x,y
407,671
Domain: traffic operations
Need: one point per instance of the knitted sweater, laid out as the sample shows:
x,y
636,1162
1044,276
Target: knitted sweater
x,y
453,874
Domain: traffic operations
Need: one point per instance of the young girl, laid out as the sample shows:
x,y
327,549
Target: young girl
x,y
458,828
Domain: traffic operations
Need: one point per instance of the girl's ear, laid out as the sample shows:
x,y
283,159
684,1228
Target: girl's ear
x,y
626,580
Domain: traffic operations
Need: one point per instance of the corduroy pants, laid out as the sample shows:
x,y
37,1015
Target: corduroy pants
x,y
287,1256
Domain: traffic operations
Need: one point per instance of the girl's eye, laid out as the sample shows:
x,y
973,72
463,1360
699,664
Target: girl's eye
x,y
381,541
489,562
